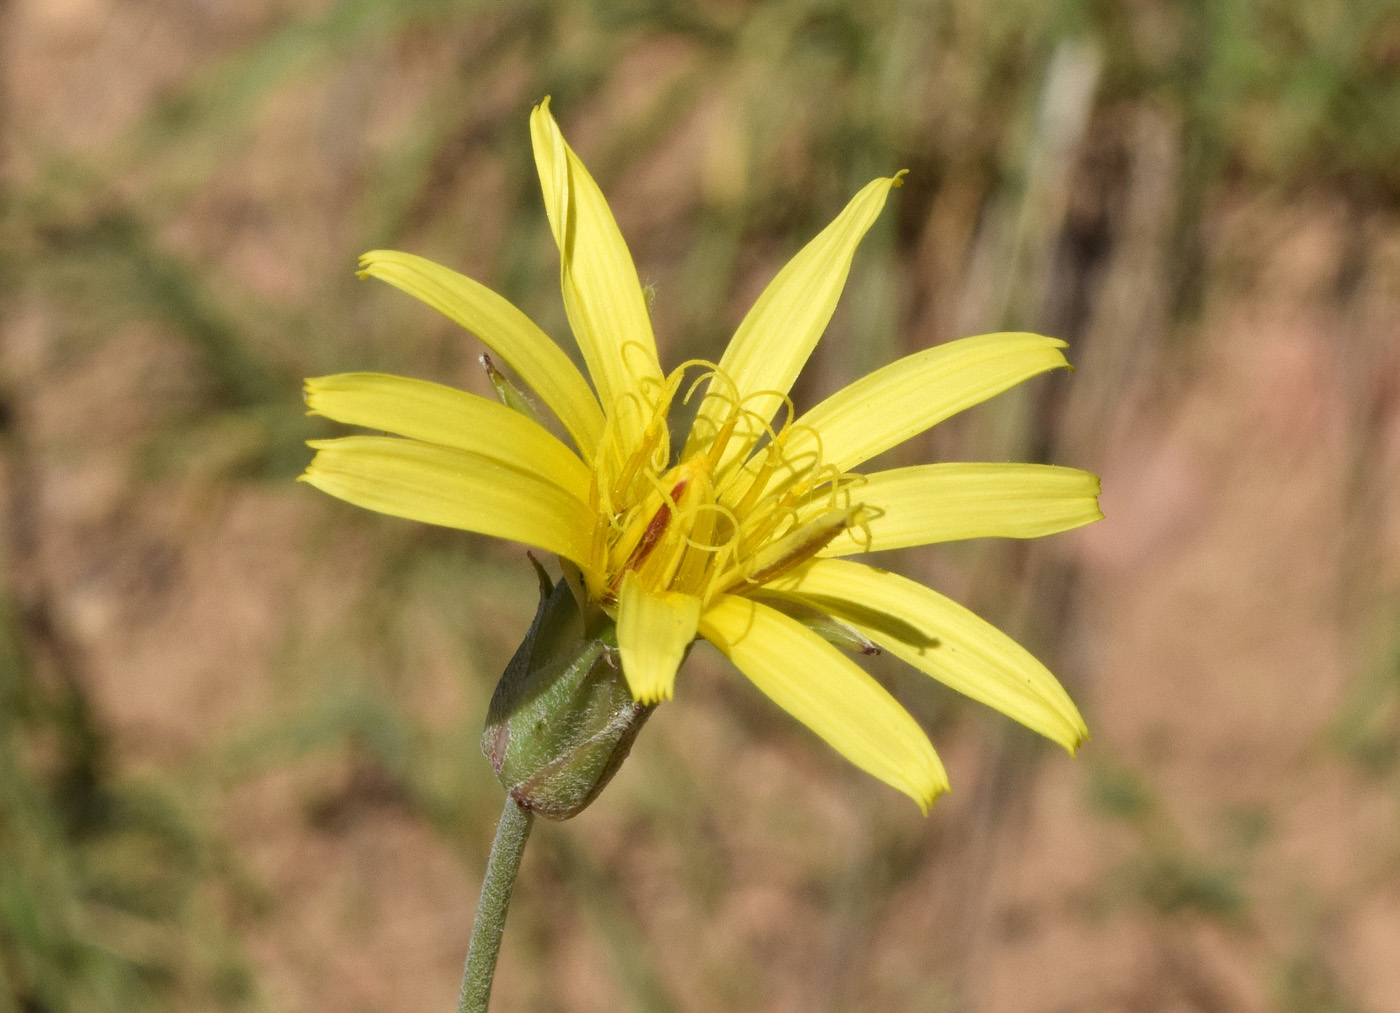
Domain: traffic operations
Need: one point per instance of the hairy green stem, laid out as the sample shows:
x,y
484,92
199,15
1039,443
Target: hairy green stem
x,y
490,922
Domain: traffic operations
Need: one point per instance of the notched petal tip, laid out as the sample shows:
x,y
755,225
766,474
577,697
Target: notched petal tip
x,y
311,389
369,261
925,790
1073,743
649,696
925,803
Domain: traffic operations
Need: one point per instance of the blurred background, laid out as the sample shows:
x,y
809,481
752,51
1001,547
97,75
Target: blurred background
x,y
239,766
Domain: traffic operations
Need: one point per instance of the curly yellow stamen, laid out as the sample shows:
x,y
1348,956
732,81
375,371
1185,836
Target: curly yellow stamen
x,y
716,519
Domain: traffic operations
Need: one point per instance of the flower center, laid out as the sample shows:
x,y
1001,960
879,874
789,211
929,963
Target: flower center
x,y
730,511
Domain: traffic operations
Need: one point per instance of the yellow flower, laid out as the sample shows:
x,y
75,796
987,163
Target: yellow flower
x,y
738,535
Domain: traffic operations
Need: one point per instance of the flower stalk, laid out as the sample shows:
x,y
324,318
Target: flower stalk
x,y
490,922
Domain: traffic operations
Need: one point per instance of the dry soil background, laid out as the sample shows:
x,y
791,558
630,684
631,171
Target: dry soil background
x,y
1224,842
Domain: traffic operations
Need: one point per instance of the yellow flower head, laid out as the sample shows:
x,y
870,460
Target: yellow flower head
x,y
737,536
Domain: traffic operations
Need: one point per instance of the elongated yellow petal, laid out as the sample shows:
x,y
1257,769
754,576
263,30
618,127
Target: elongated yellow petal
x,y
602,296
827,692
941,638
449,417
454,488
778,334
945,502
653,631
909,395
505,330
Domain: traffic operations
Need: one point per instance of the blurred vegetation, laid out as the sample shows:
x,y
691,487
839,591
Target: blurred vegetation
x,y
1025,125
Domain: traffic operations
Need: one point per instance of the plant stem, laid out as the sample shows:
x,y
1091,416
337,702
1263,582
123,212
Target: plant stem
x,y
501,867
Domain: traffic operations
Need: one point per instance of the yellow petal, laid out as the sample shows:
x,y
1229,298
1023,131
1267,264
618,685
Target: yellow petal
x,y
454,488
827,692
505,330
941,638
653,631
945,502
909,395
448,417
602,296
778,334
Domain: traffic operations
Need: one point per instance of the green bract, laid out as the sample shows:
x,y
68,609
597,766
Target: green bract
x,y
562,719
